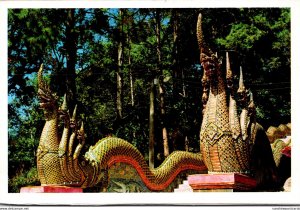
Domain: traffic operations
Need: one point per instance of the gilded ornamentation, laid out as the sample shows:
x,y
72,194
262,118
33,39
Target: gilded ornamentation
x,y
59,161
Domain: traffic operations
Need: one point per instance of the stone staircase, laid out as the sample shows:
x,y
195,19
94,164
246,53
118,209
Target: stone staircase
x,y
184,187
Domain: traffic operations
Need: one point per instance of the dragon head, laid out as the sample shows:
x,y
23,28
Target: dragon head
x,y
209,60
48,100
210,65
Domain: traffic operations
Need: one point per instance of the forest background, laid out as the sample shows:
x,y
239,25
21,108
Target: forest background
x,y
120,65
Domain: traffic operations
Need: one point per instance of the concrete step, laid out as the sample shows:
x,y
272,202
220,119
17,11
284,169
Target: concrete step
x,y
184,187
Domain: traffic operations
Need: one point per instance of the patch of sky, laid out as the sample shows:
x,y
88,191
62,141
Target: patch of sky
x,y
112,14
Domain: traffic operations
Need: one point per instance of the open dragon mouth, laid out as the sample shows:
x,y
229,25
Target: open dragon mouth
x,y
45,100
209,67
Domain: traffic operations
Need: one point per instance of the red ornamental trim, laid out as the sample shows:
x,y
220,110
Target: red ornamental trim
x,y
287,151
153,186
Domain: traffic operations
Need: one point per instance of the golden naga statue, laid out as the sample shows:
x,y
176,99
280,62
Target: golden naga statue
x,y
59,162
229,143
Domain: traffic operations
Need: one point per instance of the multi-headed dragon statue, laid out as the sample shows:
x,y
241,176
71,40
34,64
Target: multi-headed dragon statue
x,y
227,142
60,163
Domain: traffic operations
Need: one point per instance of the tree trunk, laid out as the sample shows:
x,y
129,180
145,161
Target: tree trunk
x,y
175,67
186,140
151,125
120,66
178,73
163,120
161,87
130,70
71,50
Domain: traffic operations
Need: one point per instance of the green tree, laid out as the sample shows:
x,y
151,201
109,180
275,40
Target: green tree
x,y
38,36
79,49
262,41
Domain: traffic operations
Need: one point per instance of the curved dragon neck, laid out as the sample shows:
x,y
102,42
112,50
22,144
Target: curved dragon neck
x,y
49,136
217,144
48,164
216,104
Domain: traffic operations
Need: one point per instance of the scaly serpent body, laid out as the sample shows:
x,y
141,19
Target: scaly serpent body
x,y
216,142
59,162
226,139
221,143
228,143
231,143
48,163
111,150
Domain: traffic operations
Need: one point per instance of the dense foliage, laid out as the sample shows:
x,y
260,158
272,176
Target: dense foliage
x,y
107,59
